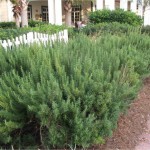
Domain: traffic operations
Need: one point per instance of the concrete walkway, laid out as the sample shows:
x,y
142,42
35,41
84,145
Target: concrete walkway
x,y
144,139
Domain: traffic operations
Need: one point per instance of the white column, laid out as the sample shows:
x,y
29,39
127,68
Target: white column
x,y
0,16
58,12
124,4
140,10
51,11
99,4
147,16
110,4
134,6
10,13
94,3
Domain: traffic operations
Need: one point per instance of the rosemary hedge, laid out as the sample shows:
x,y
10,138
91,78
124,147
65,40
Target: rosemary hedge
x,y
70,94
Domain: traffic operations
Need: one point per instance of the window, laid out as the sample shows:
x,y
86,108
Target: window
x,y
76,13
117,4
104,4
29,11
44,10
91,6
129,5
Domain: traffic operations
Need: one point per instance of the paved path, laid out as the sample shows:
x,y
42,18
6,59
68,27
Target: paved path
x,y
144,143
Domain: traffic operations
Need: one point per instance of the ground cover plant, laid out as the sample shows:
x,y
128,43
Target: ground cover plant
x,y
70,94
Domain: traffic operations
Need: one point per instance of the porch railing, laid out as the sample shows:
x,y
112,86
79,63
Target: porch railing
x,y
34,37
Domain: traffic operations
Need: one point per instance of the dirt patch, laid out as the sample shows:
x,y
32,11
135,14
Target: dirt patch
x,y
132,125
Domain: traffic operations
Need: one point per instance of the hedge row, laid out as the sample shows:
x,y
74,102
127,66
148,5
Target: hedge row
x,y
42,28
6,25
12,25
118,15
112,28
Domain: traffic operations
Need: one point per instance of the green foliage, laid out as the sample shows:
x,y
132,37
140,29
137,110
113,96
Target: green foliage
x,y
42,28
112,28
117,15
34,23
146,30
6,25
69,94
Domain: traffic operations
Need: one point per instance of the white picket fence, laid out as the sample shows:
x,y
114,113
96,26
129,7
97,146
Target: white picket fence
x,y
34,37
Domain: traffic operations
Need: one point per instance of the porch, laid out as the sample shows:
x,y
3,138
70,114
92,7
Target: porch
x,y
53,12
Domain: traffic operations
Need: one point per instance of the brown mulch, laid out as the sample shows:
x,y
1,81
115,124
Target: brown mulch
x,y
132,124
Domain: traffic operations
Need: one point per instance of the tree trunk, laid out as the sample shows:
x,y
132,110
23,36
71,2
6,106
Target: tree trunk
x,y
68,18
17,22
68,9
16,13
24,16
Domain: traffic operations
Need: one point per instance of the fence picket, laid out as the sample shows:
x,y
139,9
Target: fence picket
x,y
17,42
9,43
5,44
66,36
21,39
38,38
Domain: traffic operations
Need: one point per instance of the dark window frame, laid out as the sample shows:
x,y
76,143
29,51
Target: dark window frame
x,y
80,13
42,13
29,6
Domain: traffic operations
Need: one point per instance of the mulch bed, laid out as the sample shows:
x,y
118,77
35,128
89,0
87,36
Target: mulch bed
x,y
132,124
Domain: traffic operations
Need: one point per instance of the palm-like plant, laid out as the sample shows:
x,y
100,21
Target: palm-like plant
x,y
16,13
24,16
20,10
68,9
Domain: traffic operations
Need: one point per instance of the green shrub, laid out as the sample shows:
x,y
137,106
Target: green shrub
x,y
113,28
34,23
145,30
117,15
42,28
12,25
69,94
12,33
6,25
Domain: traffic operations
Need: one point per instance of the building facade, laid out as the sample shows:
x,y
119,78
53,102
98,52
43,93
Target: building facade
x,y
53,11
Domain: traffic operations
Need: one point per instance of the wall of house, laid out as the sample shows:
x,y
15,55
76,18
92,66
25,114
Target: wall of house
x,y
6,13
36,8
